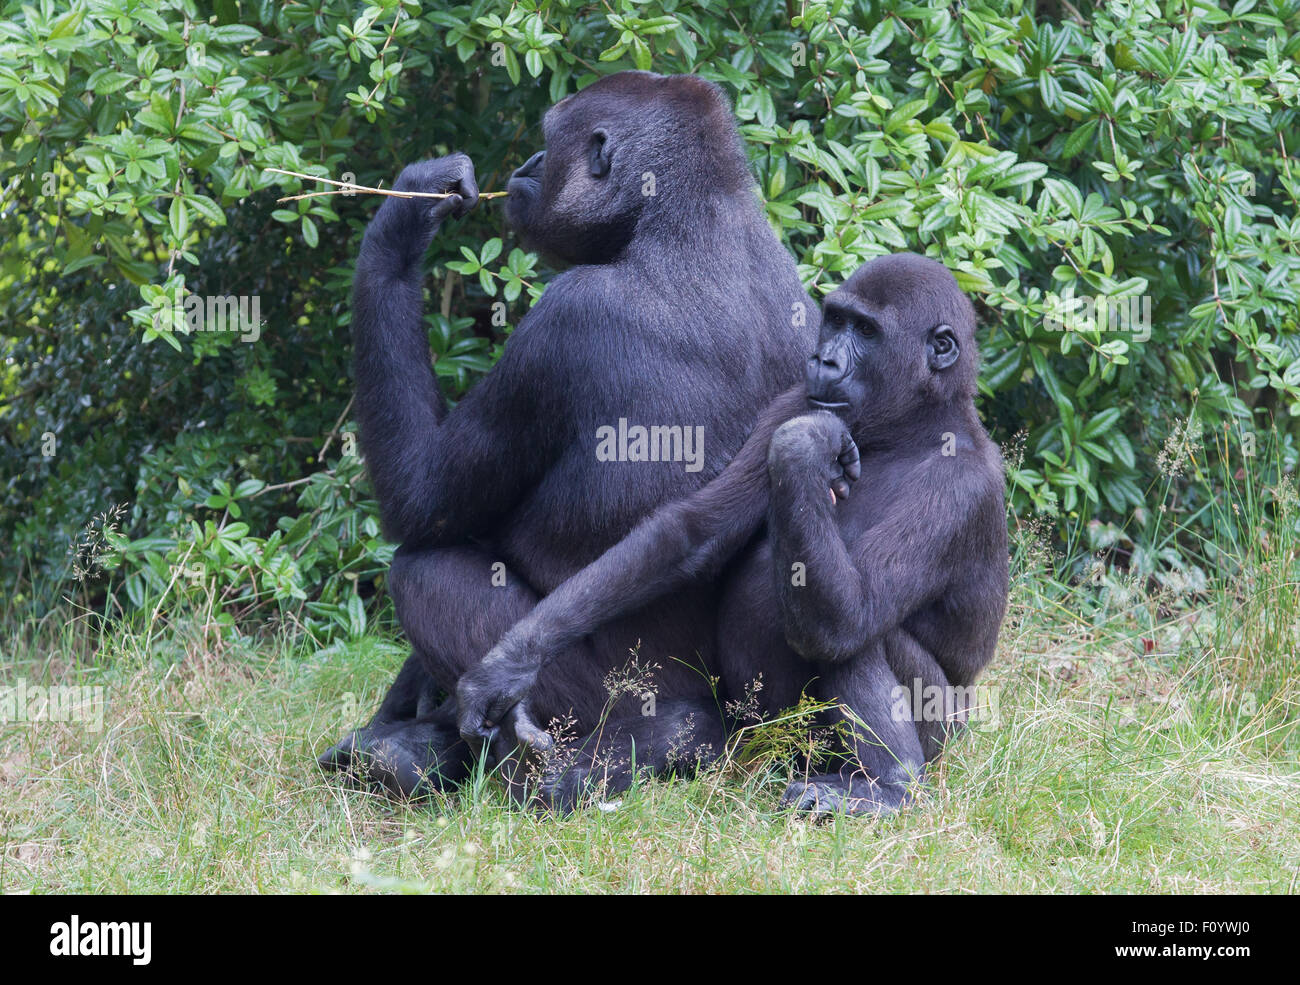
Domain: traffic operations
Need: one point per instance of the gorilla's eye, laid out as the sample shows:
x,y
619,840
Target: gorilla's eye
x,y
865,327
599,153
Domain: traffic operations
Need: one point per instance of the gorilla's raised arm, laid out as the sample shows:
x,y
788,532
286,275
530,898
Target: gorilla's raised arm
x,y
689,538
439,476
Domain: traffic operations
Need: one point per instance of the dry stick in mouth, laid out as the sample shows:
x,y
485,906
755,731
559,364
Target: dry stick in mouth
x,y
346,188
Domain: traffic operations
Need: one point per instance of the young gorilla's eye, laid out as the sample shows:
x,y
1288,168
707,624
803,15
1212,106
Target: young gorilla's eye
x,y
865,327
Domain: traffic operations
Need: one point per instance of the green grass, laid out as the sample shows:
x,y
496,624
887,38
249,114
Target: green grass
x,y
1110,770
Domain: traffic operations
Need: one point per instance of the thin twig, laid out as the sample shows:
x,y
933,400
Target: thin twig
x,y
334,430
345,187
288,485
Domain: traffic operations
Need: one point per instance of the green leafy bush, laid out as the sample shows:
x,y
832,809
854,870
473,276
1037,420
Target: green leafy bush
x,y
1124,150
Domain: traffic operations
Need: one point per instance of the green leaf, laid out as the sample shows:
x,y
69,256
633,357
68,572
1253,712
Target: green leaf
x,y
235,34
356,616
888,209
1101,423
178,218
1053,386
1021,174
206,208
1118,443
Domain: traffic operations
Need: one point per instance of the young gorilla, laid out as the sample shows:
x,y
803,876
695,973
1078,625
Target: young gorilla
x,y
680,307
846,598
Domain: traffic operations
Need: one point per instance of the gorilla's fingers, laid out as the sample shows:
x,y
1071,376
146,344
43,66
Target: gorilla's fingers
x,y
473,723
452,176
849,458
446,207
528,732
850,465
467,189
480,738
457,179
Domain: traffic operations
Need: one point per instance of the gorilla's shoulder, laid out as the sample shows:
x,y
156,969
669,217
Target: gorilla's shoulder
x,y
581,284
590,294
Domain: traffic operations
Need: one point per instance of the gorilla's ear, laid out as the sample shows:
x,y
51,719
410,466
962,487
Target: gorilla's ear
x,y
600,153
942,350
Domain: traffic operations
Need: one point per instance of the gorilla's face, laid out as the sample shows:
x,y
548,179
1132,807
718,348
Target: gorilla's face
x,y
895,339
578,201
846,365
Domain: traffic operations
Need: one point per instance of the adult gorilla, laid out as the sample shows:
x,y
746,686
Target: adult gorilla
x,y
871,602
680,309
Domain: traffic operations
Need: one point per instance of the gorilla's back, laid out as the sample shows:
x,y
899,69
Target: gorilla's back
x,y
704,343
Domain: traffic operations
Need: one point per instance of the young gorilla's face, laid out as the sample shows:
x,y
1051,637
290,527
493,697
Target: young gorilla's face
x,y
895,339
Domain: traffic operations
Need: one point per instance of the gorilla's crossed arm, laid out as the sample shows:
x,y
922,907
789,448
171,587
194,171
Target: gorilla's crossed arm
x,y
793,473
902,583
691,538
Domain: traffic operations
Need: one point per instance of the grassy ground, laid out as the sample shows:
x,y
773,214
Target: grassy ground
x,y
1140,747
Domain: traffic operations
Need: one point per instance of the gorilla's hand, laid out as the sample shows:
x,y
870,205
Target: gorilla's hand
x,y
452,175
492,697
815,447
407,225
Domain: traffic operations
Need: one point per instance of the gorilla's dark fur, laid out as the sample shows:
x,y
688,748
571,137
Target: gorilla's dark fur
x,y
871,601
680,308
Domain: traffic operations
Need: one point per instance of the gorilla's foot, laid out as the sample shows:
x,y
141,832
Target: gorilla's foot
x,y
579,777
685,735
338,756
564,789
408,759
825,796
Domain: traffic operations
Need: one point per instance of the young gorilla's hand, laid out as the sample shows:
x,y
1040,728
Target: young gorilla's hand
x,y
408,225
817,447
